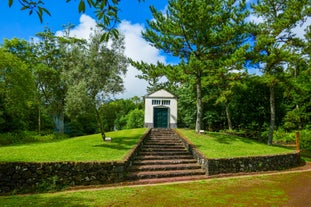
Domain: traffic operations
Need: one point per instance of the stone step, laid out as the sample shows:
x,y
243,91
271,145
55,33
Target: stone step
x,y
169,167
164,162
164,149
179,143
163,146
164,174
163,142
170,179
163,138
163,157
163,153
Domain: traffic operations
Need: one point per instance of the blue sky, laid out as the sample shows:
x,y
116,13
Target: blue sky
x,y
18,23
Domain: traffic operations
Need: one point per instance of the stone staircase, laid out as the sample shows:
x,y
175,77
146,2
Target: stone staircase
x,y
164,157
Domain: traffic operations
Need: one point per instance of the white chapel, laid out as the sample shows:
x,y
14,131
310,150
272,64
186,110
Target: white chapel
x,y
161,110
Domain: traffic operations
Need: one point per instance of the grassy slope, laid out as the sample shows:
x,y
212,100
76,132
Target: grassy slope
x,y
273,190
85,148
218,145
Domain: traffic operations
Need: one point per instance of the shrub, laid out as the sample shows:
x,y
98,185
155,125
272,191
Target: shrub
x,y
305,139
135,119
281,136
22,137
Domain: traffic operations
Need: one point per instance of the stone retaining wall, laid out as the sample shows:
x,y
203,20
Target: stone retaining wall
x,y
26,177
242,164
253,164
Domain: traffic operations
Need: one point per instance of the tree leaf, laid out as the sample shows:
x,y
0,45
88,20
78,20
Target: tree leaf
x,y
46,11
10,3
81,6
105,37
39,13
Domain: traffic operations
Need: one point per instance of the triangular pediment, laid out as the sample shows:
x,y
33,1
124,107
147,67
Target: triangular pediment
x,y
161,94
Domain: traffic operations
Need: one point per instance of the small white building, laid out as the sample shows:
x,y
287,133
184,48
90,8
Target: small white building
x,y
161,110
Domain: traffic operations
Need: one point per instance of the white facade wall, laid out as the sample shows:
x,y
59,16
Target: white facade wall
x,y
160,99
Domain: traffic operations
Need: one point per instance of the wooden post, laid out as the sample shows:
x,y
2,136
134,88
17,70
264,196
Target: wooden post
x,y
297,141
297,145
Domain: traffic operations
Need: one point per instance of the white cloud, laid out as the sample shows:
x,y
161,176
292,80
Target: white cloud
x,y
136,48
300,29
254,19
83,30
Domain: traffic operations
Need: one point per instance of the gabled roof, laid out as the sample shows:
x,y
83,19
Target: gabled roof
x,y
161,94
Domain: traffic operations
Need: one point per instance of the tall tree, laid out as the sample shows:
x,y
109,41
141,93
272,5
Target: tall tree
x,y
204,34
274,40
51,85
96,77
17,92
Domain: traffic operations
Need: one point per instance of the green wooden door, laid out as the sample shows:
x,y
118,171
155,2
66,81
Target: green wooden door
x,y
160,118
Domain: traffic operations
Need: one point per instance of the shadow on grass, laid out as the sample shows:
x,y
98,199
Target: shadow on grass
x,y
120,143
39,200
229,139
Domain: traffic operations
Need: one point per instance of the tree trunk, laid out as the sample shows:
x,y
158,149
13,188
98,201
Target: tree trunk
x,y
39,119
58,119
228,117
100,123
272,116
199,105
299,117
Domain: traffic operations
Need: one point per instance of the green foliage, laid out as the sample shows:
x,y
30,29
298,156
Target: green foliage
x,y
135,119
49,185
305,139
24,137
276,47
17,92
281,136
115,114
102,68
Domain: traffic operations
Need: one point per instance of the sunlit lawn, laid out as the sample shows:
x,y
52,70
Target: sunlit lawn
x,y
85,148
272,190
220,145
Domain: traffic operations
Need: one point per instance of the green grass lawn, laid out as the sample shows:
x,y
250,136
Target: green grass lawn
x,y
220,145
85,148
273,190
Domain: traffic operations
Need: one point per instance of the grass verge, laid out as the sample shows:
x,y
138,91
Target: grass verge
x,y
85,148
220,145
269,190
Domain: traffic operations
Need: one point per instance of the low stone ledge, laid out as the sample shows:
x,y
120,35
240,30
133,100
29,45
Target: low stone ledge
x,y
29,176
253,164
